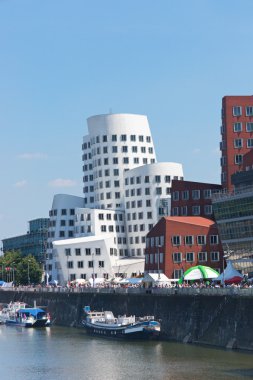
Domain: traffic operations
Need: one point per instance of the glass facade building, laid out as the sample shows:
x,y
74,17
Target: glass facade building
x,y
33,243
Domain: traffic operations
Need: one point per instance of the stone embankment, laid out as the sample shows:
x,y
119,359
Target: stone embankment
x,y
217,317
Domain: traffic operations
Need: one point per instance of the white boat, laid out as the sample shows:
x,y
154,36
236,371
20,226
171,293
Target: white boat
x,y
19,314
105,324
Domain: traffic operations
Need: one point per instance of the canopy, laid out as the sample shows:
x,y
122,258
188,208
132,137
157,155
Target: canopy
x,y
132,280
2,283
97,281
230,275
31,311
199,272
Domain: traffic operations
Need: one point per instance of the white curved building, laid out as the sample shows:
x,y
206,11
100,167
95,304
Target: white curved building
x,y
116,143
147,199
125,193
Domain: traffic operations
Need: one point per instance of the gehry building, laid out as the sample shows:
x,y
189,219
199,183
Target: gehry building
x,y
125,192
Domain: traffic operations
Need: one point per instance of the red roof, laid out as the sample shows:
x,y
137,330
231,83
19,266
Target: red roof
x,y
197,220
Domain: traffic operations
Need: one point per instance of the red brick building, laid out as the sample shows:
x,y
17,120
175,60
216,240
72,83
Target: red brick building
x,y
236,135
177,243
192,198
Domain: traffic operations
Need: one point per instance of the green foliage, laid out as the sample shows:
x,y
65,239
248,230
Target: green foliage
x,y
21,270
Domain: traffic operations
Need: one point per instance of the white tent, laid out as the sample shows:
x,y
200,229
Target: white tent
x,y
97,281
230,274
152,279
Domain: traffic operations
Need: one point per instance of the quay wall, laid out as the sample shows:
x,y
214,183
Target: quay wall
x,y
217,317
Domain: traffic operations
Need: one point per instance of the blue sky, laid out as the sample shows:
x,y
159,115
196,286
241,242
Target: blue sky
x,y
62,61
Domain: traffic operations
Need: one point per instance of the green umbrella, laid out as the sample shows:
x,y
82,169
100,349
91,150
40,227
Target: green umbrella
x,y
199,272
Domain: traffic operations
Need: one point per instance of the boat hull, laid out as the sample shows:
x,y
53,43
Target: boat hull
x,y
122,332
36,324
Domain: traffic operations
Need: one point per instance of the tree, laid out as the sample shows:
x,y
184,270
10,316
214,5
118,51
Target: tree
x,y
21,270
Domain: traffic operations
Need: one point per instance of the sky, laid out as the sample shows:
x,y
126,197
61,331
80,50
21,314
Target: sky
x,y
62,61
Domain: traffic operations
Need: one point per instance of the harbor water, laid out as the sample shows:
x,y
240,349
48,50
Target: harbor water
x,y
68,353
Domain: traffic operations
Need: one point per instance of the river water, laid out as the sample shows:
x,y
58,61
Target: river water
x,y
68,353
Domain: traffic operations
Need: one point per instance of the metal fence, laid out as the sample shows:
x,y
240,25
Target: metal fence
x,y
228,291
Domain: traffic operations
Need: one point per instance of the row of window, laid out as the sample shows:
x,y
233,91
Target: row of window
x,y
237,111
190,239
138,204
147,191
195,194
238,143
78,251
190,256
62,234
147,179
81,264
123,149
195,210
106,138
63,211
238,127
124,161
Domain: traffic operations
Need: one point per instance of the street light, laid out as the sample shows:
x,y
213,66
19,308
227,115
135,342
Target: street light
x,y
227,254
28,271
93,274
158,264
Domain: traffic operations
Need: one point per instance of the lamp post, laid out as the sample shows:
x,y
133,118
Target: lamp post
x,y
158,262
28,271
227,254
93,274
13,271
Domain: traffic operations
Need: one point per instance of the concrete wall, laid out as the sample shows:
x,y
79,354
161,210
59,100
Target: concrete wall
x,y
219,320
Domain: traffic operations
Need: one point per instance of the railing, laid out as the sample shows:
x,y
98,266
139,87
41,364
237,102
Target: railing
x,y
233,291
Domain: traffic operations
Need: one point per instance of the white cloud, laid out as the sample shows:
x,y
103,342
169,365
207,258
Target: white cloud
x,y
32,156
21,183
60,182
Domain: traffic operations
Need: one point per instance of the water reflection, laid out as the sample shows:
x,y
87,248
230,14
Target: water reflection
x,y
67,353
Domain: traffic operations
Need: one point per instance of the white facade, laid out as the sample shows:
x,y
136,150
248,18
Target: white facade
x,y
116,143
125,193
147,199
92,257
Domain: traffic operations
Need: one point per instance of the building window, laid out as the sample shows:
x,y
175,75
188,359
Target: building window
x,y
214,239
195,210
184,211
176,240
177,257
98,251
249,143
238,143
238,159
189,240
207,193
62,234
133,138
178,273
123,138
146,179
237,127
167,179
78,251
157,178
64,211
67,252
208,209
249,127
190,257
80,264
70,265
185,195
114,137
90,264
87,252
175,211
201,239
249,111
237,111
215,256
202,256
101,264
175,195
195,194
158,191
